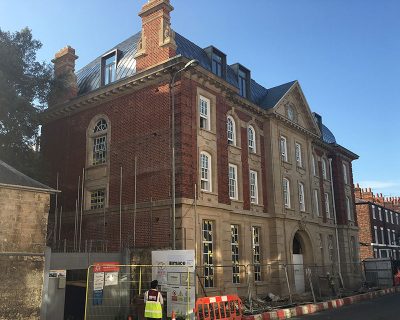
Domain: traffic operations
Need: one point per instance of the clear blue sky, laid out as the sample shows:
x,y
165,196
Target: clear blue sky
x,y
345,53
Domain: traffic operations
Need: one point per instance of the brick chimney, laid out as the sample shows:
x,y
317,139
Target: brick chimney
x,y
157,43
64,70
357,191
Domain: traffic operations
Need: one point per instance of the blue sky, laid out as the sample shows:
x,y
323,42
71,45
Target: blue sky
x,y
345,53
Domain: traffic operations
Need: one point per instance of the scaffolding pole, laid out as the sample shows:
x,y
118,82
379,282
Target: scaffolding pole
x,y
120,211
56,214
134,207
82,203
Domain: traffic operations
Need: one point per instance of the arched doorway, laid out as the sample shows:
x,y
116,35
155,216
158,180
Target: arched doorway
x,y
302,254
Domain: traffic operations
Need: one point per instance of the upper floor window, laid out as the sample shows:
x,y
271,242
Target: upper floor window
x,y
299,160
109,64
302,203
251,135
286,192
314,166
242,78
205,172
348,209
327,205
386,216
99,142
376,234
204,111
253,187
324,169
233,189
97,199
391,217
316,202
373,212
397,218
345,173
231,130
283,146
380,213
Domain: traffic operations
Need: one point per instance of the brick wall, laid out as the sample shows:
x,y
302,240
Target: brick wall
x,y
140,126
23,221
365,232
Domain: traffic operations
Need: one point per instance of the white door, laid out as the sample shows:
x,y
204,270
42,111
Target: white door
x,y
298,273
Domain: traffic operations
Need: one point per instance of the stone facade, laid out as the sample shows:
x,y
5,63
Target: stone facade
x,y
23,225
137,110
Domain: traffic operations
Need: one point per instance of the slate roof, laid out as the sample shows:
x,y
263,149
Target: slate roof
x,y
327,135
89,76
11,176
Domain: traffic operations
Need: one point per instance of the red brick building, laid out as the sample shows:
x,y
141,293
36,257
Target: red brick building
x,y
259,178
379,224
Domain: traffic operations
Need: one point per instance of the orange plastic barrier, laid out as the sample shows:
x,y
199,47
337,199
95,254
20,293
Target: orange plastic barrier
x,y
220,307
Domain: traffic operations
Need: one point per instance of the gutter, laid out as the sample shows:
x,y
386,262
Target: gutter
x,y
14,186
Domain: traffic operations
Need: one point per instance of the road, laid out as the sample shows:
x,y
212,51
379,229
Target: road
x,y
382,308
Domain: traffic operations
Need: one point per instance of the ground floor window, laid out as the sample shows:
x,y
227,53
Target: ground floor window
x,y
207,233
235,253
256,253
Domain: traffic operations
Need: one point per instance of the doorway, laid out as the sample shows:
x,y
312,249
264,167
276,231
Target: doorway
x,y
298,264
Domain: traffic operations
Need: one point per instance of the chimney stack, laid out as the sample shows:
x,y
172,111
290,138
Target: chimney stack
x,y
157,43
64,70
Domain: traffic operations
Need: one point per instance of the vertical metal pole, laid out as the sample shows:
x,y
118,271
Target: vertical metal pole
x,y
288,283
173,160
82,203
76,214
60,224
195,231
76,225
104,225
120,211
134,208
151,219
56,214
140,280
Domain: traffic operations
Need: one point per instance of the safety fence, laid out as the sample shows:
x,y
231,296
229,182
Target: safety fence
x,y
116,291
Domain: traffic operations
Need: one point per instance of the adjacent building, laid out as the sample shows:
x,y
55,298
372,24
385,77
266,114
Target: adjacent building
x,y
379,224
260,181
24,208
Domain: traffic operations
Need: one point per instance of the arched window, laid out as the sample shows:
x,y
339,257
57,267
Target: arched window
x,y
231,130
98,138
286,192
251,135
205,172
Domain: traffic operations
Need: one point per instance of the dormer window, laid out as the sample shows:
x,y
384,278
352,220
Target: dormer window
x,y
109,66
216,64
242,78
218,61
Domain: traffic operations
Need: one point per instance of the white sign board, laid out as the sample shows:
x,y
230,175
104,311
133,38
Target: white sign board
x,y
111,279
98,281
172,275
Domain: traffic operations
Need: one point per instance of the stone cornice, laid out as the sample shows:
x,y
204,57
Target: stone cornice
x,y
294,125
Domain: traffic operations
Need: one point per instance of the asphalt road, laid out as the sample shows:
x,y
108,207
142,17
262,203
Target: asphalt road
x,y
382,308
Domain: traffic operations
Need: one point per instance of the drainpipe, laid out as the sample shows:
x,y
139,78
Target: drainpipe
x,y
336,227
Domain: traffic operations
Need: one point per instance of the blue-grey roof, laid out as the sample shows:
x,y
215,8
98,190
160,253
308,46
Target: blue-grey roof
x,y
327,135
11,176
89,77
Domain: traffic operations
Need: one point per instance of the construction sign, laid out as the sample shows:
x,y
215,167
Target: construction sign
x,y
177,280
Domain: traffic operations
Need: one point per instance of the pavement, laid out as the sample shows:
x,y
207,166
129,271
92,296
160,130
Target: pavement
x,y
295,312
381,308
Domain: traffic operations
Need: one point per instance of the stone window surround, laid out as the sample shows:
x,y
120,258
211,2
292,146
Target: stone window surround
x,y
211,112
91,135
209,171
